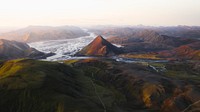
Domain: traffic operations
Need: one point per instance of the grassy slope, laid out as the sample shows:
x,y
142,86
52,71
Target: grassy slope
x,y
145,89
36,86
141,56
188,71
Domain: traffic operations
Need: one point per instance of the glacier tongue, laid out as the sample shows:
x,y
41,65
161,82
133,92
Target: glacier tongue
x,y
63,48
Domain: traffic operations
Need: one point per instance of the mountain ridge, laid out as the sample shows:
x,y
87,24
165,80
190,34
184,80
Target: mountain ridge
x,y
13,49
41,33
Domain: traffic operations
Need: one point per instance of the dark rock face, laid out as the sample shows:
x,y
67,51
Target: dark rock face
x,y
100,47
14,49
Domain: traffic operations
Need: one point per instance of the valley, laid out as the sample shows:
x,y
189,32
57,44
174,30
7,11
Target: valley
x,y
100,56
132,71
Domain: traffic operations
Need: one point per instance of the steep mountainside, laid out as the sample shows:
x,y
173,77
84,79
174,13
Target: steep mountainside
x,y
14,49
41,33
100,47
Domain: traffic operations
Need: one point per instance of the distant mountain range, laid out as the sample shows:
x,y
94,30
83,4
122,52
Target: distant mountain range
x,y
145,39
180,31
147,36
41,33
134,40
146,43
125,31
14,49
100,47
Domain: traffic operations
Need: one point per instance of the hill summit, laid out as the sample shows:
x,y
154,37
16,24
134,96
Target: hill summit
x,y
99,47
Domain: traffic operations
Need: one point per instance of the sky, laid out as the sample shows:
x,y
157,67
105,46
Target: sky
x,y
20,13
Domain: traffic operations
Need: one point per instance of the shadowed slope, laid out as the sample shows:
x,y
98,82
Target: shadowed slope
x,y
14,49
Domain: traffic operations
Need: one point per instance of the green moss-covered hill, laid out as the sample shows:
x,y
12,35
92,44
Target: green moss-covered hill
x,y
148,87
36,86
96,85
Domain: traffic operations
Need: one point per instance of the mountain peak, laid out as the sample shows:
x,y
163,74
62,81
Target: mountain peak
x,y
99,37
99,47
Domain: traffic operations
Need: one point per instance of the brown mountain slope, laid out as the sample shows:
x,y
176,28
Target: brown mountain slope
x,y
14,49
99,47
146,41
182,52
143,39
148,36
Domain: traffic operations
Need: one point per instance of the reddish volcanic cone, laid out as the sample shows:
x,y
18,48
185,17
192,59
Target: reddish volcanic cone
x,y
100,47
